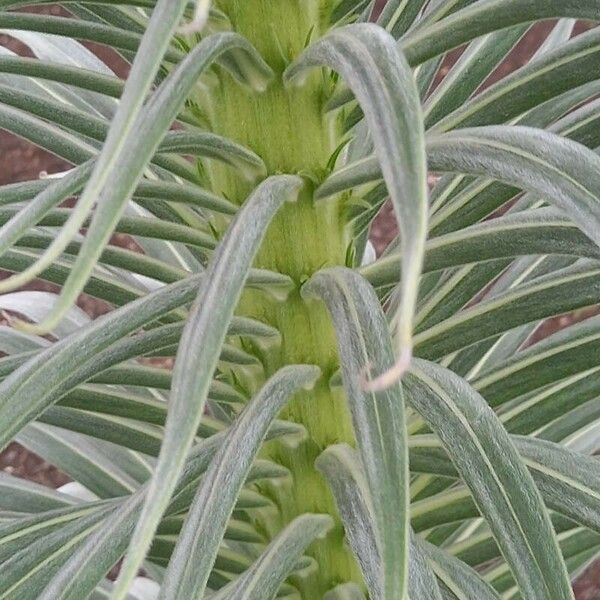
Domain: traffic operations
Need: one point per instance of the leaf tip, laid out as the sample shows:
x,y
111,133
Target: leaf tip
x,y
391,376
199,21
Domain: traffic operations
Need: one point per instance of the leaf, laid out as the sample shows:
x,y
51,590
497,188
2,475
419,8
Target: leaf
x,y
470,203
369,61
554,294
211,509
87,565
82,459
558,169
397,16
568,481
422,582
543,78
19,532
263,578
341,467
473,67
543,163
35,305
25,573
152,48
38,383
20,495
489,464
533,232
464,582
132,151
534,411
198,354
568,352
378,416
82,30
484,17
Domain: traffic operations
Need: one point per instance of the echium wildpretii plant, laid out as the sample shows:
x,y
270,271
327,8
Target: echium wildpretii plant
x,y
334,426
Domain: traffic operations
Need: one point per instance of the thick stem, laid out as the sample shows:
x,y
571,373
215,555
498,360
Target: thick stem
x,y
288,129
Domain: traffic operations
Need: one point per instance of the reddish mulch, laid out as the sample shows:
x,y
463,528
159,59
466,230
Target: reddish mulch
x,y
20,161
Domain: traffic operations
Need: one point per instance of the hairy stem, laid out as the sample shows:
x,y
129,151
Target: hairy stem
x,y
289,130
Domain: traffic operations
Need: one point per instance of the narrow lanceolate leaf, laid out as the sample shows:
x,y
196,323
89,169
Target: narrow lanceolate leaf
x,y
80,458
378,416
498,480
342,468
340,465
553,294
383,83
154,43
568,481
421,582
86,567
544,78
463,581
570,351
199,352
205,525
56,192
41,381
398,15
560,170
556,168
472,68
134,151
265,576
25,573
484,17
20,495
532,232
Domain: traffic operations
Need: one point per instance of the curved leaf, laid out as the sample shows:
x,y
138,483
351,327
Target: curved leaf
x,y
378,417
198,354
499,482
201,536
484,17
533,232
340,465
263,578
556,168
125,155
464,582
369,61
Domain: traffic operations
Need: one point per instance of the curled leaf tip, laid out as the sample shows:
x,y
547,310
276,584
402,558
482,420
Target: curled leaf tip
x,y
18,324
31,328
199,20
391,376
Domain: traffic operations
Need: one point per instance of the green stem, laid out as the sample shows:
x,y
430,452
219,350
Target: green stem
x,y
289,130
